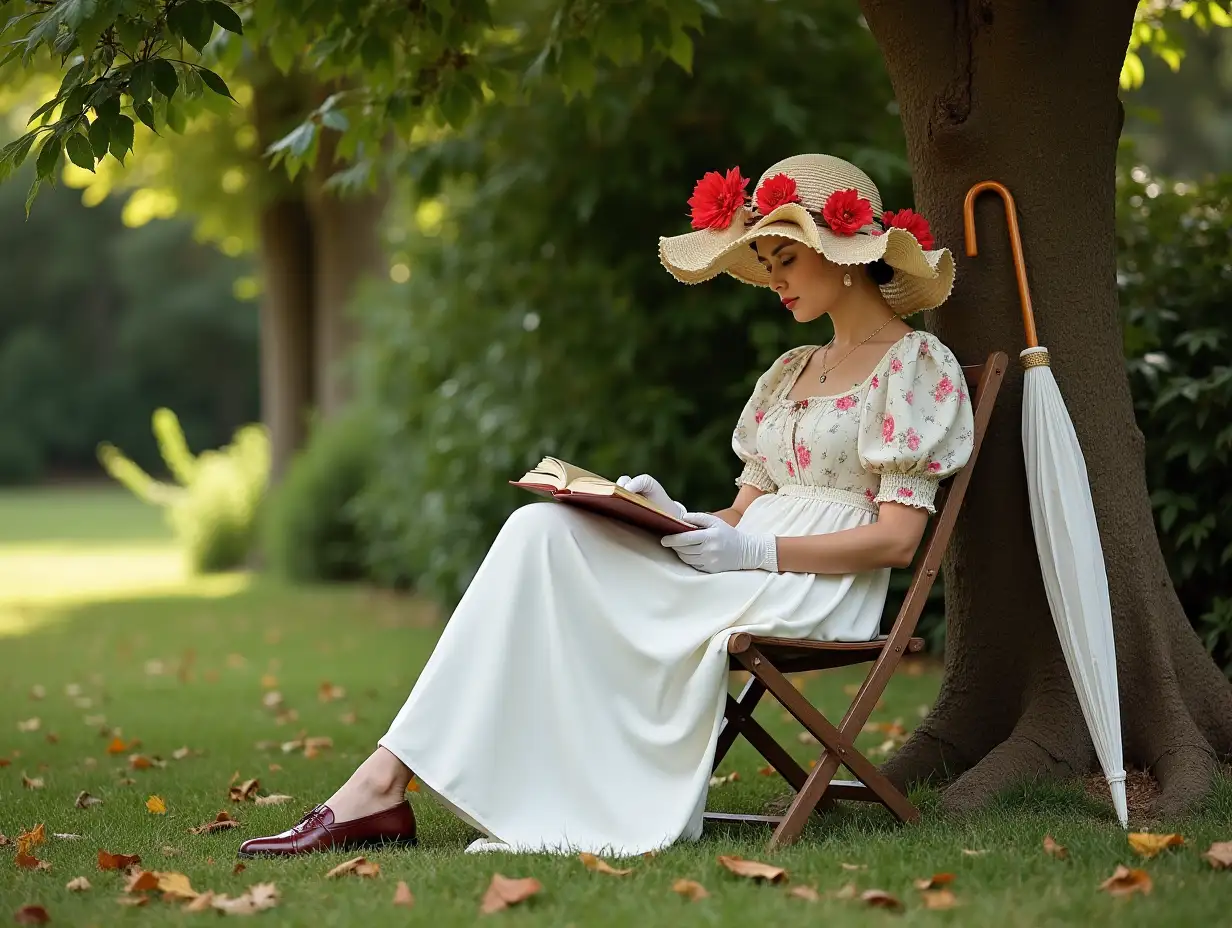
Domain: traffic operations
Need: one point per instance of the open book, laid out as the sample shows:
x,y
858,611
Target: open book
x,y
569,483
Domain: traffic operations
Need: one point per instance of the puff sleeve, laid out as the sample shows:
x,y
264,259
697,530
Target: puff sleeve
x,y
916,427
744,436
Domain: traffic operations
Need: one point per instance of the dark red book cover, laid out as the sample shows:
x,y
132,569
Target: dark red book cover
x,y
614,507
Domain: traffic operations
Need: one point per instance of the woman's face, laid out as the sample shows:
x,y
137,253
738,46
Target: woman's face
x,y
807,283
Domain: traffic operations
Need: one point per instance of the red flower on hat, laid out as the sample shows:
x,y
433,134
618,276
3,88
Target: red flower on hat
x,y
716,198
775,192
913,222
846,212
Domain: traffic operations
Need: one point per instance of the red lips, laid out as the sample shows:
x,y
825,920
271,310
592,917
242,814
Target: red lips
x,y
789,303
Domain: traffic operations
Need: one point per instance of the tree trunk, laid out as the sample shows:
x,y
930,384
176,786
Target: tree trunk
x,y
1027,94
286,261
347,248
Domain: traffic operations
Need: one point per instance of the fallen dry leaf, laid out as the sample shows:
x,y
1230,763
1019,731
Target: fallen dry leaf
x,y
690,889
4,842
971,853
348,718
4,762
1219,855
295,744
126,781
806,738
935,881
327,692
30,862
402,895
767,771
1052,849
169,851
181,753
413,786
38,691
141,881
258,897
879,898
221,821
939,899
85,800
134,900
175,885
805,892
157,805
754,870
272,699
32,838
30,725
1146,844
314,746
203,903
239,868
31,782
78,884
109,861
117,746
242,792
31,915
503,892
52,738
729,778
854,866
66,837
268,681
1125,881
360,866
140,762
847,891
599,865
276,799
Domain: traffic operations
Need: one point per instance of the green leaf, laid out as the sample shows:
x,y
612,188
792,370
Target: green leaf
x,y
121,137
76,12
681,50
214,82
130,32
335,119
100,137
165,78
577,67
49,157
145,112
192,22
71,78
80,151
455,104
194,87
34,189
176,121
43,110
141,82
226,17
108,109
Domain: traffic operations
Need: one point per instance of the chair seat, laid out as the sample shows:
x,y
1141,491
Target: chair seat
x,y
793,655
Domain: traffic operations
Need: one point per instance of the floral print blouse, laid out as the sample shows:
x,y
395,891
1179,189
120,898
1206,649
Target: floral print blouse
x,y
893,438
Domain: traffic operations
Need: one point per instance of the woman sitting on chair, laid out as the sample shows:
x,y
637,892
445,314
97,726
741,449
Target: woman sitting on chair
x,y
574,699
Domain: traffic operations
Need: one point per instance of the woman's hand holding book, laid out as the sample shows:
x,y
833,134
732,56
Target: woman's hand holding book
x,y
646,485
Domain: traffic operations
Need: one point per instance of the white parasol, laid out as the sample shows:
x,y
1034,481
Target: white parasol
x,y
1066,533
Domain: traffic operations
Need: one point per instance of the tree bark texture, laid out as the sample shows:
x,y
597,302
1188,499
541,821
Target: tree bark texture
x,y
1026,94
286,262
347,240
315,247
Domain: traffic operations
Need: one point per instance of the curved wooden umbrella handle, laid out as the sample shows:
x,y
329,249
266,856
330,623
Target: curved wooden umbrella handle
x,y
1020,265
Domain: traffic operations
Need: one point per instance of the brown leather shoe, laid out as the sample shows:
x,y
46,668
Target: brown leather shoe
x,y
317,831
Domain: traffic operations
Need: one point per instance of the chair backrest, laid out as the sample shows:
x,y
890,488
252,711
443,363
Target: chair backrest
x,y
984,382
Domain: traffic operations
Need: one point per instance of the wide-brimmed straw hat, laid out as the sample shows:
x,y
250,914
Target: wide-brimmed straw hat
x,y
826,203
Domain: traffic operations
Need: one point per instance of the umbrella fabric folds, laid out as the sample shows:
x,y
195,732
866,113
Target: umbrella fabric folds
x,y
1066,532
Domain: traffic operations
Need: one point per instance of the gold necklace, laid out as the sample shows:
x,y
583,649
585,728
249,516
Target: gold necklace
x,y
825,373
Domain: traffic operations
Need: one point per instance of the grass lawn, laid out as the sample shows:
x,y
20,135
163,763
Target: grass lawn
x,y
97,616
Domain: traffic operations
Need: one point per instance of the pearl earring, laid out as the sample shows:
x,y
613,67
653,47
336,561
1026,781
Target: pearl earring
x,y
846,280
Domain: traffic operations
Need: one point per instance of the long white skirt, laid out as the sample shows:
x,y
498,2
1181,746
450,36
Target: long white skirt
x,y
574,699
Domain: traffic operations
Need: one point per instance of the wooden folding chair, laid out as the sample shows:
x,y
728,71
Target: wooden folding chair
x,y
769,660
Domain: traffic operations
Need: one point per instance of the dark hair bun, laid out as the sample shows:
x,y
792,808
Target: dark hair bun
x,y
880,272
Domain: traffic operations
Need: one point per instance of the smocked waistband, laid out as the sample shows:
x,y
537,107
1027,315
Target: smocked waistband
x,y
829,494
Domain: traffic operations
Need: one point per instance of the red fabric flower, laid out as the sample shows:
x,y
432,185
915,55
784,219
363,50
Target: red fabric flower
x,y
913,222
846,212
775,192
716,198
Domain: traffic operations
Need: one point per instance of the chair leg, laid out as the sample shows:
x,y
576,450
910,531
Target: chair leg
x,y
737,710
839,744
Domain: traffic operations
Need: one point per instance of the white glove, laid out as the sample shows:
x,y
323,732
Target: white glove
x,y
646,485
718,546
